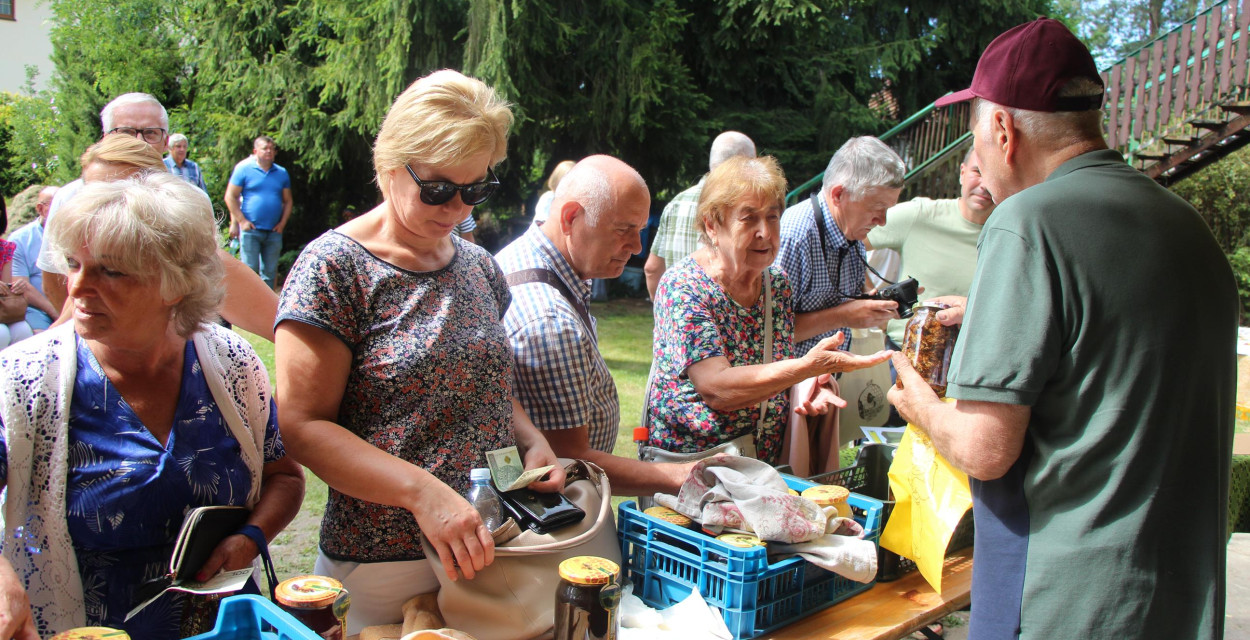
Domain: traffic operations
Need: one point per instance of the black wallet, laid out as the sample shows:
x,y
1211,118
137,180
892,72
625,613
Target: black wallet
x,y
541,512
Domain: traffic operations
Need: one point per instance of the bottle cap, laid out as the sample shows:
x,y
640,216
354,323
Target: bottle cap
x,y
479,474
589,570
92,633
641,434
308,592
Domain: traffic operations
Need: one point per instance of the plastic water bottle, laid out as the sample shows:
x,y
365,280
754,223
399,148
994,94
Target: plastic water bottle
x,y
484,499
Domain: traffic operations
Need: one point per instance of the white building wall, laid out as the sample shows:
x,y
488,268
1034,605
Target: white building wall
x,y
26,41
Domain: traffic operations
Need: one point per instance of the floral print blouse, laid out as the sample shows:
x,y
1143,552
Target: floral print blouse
x,y
430,378
695,320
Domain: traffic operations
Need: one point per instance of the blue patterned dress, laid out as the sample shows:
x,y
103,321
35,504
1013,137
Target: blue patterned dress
x,y
126,493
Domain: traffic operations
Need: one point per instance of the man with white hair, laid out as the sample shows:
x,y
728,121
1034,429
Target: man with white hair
x,y
1094,375
29,239
249,304
822,242
677,237
560,377
182,166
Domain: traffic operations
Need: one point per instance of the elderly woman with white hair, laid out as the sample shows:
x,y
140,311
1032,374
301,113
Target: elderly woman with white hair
x,y
724,326
116,423
394,370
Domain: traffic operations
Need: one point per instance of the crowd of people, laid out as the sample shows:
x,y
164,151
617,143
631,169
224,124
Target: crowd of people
x,y
404,353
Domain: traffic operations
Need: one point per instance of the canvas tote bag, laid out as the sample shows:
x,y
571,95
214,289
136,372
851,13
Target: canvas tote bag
x,y
514,597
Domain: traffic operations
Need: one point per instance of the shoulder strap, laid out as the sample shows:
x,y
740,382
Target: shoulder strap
x,y
549,277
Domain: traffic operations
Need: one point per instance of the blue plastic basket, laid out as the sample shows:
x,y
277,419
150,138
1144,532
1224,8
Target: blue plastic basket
x,y
666,562
249,617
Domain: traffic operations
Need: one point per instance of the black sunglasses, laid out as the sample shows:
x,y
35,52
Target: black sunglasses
x,y
436,192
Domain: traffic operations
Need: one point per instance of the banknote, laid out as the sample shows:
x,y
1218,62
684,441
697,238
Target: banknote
x,y
508,471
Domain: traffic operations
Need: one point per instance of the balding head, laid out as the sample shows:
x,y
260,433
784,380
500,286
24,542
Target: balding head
x,y
44,202
598,210
728,145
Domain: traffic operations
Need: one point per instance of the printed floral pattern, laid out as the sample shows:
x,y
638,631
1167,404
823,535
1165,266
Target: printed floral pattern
x,y
430,377
695,320
126,493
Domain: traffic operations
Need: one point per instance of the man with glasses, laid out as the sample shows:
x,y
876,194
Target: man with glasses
x,y
259,199
248,303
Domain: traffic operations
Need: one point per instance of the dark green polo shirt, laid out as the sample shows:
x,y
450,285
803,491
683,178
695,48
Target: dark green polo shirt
x,y
1102,301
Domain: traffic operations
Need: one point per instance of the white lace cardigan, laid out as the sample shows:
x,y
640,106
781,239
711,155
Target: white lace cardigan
x,y
36,382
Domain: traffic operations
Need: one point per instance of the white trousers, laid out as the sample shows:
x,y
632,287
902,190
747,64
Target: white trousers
x,y
378,589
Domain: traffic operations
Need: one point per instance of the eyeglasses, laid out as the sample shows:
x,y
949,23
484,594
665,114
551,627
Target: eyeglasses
x,y
436,192
151,135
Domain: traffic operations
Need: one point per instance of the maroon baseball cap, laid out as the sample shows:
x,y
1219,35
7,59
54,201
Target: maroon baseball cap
x,y
1026,66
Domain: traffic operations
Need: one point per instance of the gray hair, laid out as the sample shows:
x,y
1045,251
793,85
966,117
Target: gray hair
x,y
1054,129
728,145
154,224
588,186
127,99
176,138
861,164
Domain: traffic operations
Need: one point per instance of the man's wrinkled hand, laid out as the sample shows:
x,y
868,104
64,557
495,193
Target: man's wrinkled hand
x,y
910,391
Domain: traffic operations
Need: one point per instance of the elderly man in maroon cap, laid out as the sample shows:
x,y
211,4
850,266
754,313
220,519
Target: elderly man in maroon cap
x,y
1093,377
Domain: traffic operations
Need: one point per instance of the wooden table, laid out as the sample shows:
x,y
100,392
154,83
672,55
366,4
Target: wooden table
x,y
890,610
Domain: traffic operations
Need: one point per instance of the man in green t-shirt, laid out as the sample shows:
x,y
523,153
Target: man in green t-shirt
x,y
1094,374
937,239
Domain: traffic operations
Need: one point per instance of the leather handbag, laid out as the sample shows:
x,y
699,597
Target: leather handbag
x,y
514,597
12,306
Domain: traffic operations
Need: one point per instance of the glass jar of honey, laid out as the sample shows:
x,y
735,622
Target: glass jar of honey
x,y
928,345
587,599
320,603
830,495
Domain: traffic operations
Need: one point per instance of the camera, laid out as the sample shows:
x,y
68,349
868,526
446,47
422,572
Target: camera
x,y
903,293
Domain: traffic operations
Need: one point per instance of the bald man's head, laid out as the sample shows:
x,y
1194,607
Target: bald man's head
x,y
599,210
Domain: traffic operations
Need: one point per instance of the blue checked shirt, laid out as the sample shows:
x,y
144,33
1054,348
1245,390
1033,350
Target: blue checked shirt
x,y
821,277
559,376
189,171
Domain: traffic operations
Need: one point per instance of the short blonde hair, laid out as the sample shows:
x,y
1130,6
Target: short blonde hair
x,y
154,224
558,174
439,121
733,181
119,148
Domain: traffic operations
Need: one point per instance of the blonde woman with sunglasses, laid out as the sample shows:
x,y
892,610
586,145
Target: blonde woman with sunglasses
x,y
392,363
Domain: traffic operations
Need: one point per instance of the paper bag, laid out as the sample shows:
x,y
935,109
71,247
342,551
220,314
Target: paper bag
x,y
930,497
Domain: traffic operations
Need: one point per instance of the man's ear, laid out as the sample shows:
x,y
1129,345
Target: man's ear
x,y
1004,134
569,212
835,192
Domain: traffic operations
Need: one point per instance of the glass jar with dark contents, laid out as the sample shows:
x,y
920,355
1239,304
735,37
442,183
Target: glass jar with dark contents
x,y
320,603
587,598
928,344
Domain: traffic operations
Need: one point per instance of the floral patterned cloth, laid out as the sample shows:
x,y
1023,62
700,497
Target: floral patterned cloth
x,y
127,493
695,320
7,249
430,379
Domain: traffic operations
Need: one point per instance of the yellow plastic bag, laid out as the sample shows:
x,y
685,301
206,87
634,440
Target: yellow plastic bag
x,y
930,497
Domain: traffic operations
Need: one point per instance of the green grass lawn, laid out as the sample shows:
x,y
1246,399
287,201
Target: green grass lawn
x,y
624,339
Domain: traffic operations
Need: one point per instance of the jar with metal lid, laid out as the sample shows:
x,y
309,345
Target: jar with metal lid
x,y
670,516
741,540
928,344
587,599
830,495
320,603
92,633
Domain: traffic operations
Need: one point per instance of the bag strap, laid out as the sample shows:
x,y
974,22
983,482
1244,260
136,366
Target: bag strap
x,y
258,538
768,342
549,277
577,470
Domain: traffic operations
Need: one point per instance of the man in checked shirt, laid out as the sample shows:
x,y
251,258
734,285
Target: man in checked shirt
x,y
560,377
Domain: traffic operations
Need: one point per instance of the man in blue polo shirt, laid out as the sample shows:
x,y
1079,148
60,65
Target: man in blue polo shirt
x,y
259,199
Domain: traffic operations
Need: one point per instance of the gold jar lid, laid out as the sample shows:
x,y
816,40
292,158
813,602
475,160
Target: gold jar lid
x,y
92,633
741,540
793,492
826,494
308,592
669,515
589,570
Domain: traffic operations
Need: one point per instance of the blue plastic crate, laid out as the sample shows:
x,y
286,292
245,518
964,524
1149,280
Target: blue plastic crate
x,y
666,562
249,617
